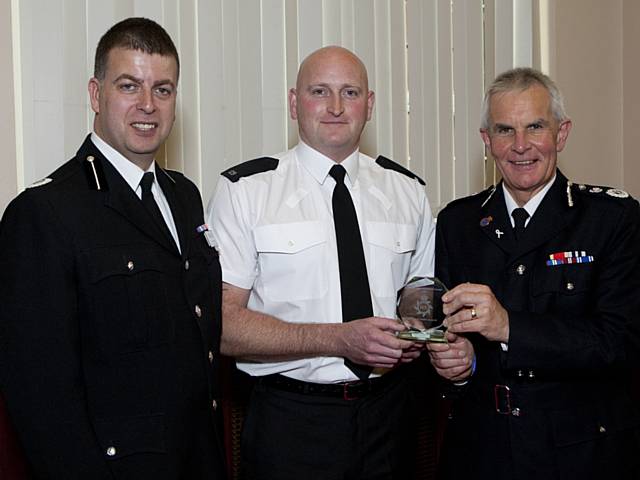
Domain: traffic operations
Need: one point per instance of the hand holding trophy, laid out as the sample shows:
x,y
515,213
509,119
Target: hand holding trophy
x,y
419,308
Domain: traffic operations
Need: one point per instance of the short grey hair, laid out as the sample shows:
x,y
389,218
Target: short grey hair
x,y
521,79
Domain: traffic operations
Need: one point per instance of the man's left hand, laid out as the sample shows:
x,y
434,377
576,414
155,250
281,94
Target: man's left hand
x,y
474,308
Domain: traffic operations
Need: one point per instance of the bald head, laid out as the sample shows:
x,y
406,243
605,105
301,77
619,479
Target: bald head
x,y
331,101
332,55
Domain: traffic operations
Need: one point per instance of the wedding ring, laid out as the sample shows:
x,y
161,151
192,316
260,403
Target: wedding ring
x,y
474,315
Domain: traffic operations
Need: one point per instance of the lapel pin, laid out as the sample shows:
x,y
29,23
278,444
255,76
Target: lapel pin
x,y
499,233
486,221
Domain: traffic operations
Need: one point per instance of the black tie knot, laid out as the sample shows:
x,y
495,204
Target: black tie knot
x,y
338,172
146,182
520,216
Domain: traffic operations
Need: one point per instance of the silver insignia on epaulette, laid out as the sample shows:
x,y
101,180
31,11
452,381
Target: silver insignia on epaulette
x,y
40,183
595,190
616,192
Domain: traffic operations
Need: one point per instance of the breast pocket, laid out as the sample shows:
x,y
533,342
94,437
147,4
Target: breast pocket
x,y
128,292
390,248
291,260
564,288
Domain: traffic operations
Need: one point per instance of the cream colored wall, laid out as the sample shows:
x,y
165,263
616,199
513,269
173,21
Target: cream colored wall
x,y
594,61
631,95
8,174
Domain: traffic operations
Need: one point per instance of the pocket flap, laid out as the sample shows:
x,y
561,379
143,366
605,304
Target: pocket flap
x,y
289,237
396,237
124,436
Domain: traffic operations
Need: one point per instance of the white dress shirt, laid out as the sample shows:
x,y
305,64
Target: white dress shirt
x,y
275,235
132,174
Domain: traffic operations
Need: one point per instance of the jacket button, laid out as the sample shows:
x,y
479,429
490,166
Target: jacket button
x,y
520,270
515,412
130,265
601,429
214,404
198,311
570,286
186,264
520,374
111,451
210,356
532,374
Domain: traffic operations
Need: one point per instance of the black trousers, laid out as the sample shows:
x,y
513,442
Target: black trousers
x,y
294,436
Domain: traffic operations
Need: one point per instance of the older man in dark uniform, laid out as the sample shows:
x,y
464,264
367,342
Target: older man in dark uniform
x,y
546,280
111,293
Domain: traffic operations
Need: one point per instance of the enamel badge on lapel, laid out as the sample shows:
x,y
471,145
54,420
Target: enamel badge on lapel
x,y
486,221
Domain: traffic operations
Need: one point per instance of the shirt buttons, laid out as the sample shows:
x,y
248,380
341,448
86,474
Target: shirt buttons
x,y
291,243
210,356
520,270
130,265
186,264
111,451
198,311
570,286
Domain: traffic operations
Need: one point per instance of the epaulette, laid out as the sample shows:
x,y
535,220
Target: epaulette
x,y
599,190
250,167
384,162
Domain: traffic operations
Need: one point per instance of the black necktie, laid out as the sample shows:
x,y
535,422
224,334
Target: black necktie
x,y
520,216
152,207
354,282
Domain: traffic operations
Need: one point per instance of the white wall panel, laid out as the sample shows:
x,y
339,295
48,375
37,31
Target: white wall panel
x,y
239,57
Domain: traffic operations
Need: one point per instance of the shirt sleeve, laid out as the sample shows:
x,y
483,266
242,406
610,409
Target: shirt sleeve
x,y
228,217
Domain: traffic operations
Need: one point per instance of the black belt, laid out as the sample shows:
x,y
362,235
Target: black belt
x,y
347,390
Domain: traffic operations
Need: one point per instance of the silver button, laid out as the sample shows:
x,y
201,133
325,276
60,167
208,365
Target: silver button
x,y
520,270
532,374
520,374
186,264
570,286
515,412
214,404
111,451
130,265
198,311
210,356
602,429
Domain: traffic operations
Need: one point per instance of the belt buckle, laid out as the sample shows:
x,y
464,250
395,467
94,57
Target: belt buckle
x,y
502,397
346,395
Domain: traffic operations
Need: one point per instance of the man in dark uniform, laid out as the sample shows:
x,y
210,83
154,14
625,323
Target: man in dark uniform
x,y
546,281
111,290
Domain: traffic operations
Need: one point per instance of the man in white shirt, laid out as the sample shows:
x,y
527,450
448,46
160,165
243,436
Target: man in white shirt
x,y
331,401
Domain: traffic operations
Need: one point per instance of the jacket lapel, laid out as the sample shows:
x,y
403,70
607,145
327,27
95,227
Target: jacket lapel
x,y
178,210
494,222
551,217
118,195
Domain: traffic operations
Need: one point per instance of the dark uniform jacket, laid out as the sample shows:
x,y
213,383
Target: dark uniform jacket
x,y
108,335
562,387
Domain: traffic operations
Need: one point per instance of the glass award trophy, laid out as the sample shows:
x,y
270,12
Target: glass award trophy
x,y
419,308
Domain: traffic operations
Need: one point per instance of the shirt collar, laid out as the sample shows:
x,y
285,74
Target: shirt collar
x,y
534,202
131,173
318,165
